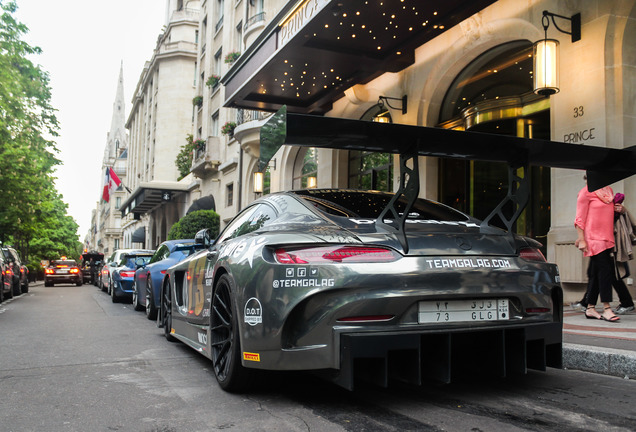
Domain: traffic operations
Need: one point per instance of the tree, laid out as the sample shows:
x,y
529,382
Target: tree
x,y
194,222
31,207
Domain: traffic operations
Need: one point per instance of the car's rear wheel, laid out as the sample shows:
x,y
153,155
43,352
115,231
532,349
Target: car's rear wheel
x,y
166,311
113,295
151,309
226,350
25,287
135,300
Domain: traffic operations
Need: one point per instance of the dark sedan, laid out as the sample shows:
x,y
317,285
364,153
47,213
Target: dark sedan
x,y
148,277
62,271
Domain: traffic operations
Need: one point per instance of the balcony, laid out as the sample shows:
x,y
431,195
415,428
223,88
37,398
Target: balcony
x,y
206,159
187,14
253,27
248,129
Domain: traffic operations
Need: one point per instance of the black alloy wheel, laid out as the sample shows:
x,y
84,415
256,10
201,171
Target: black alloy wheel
x,y
135,297
166,311
225,344
151,309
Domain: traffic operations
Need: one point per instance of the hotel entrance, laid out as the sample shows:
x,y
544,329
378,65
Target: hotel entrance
x,y
493,94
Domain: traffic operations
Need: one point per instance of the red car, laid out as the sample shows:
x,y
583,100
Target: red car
x,y
62,271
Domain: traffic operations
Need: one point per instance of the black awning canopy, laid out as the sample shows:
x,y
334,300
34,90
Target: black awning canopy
x,y
311,53
148,196
204,203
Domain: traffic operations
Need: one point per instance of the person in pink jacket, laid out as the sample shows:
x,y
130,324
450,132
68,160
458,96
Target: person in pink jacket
x,y
594,224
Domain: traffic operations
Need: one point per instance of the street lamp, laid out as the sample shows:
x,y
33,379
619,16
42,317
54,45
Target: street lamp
x,y
546,54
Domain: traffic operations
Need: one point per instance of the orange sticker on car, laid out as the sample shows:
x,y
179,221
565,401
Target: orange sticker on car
x,y
251,356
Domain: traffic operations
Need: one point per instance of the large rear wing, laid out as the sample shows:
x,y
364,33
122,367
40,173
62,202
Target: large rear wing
x,y
603,165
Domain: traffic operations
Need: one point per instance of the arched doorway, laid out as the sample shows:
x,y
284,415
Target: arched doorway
x,y
493,94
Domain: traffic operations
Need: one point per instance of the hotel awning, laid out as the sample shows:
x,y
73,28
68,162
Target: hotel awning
x,y
316,49
149,195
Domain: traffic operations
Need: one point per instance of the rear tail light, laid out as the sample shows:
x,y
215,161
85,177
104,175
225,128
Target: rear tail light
x,y
49,271
531,254
9,272
127,273
336,254
74,270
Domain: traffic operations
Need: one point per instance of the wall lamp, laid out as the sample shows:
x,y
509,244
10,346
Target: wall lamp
x,y
384,100
546,53
259,177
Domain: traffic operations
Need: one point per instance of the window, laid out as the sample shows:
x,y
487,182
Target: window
x,y
229,195
214,125
117,202
250,220
116,246
218,62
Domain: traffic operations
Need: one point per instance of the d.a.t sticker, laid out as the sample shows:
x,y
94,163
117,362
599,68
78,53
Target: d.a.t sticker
x,y
253,312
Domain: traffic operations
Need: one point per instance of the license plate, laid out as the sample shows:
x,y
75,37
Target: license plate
x,y
463,311
62,271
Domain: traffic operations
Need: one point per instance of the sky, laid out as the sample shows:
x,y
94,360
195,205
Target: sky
x,y
84,45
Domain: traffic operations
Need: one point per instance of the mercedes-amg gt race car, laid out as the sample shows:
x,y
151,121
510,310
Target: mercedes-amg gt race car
x,y
307,280
354,284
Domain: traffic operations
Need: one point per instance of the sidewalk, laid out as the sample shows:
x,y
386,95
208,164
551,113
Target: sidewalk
x,y
599,346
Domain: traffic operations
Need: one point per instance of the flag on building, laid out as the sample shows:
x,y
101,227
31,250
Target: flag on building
x,y
111,182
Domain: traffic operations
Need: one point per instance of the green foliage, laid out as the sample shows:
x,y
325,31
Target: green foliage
x,y
192,223
231,57
197,100
213,81
32,216
184,157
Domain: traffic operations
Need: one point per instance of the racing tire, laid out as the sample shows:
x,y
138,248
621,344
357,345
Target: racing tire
x,y
135,298
9,294
79,283
25,287
48,284
151,309
225,341
166,312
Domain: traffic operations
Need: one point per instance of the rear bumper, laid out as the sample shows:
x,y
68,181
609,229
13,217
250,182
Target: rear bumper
x,y
62,278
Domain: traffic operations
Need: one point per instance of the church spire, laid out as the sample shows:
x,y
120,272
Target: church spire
x,y
117,134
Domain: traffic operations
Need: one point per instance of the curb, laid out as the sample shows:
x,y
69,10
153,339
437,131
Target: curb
x,y
606,361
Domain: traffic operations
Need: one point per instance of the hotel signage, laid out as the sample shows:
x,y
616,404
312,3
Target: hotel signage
x,y
298,18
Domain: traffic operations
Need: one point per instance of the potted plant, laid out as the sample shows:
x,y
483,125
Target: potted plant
x,y
232,56
228,128
198,101
213,81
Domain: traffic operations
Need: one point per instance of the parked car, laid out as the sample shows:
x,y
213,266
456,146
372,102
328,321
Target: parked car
x,y
310,280
91,263
6,284
62,271
122,272
19,271
148,277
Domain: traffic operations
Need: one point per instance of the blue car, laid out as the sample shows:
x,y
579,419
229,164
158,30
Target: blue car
x,y
122,273
149,276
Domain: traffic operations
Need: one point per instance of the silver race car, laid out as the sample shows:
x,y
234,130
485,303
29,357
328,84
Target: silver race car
x,y
368,285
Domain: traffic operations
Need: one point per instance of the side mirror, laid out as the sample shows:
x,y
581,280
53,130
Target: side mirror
x,y
203,237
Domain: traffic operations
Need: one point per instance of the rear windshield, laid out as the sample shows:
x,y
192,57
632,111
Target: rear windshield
x,y
134,260
369,205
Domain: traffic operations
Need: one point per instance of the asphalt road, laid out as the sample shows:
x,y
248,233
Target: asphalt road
x,y
73,361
